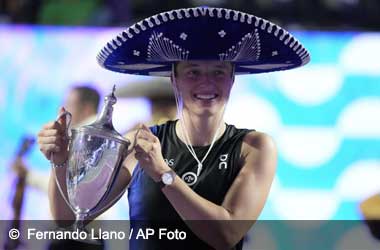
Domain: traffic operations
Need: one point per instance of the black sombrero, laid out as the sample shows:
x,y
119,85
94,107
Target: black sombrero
x,y
253,44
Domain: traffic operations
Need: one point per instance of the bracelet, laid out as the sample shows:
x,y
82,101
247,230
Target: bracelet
x,y
59,165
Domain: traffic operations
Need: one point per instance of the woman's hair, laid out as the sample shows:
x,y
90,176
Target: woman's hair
x,y
88,95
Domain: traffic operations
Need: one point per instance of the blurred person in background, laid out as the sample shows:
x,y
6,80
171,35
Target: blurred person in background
x,y
82,102
19,11
160,95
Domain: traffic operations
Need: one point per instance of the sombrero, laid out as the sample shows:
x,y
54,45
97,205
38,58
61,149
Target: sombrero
x,y
253,44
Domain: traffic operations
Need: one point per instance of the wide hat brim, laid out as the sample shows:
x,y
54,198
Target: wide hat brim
x,y
253,44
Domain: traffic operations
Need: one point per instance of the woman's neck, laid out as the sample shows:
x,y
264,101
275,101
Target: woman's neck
x,y
200,130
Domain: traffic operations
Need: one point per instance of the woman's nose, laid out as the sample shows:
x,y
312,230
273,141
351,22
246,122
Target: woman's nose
x,y
207,76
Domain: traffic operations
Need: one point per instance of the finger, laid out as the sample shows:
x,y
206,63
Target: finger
x,y
49,132
143,140
51,140
47,149
141,149
143,146
62,118
137,133
48,129
49,125
146,128
146,136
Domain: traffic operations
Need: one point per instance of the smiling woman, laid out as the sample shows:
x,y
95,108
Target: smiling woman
x,y
218,173
203,87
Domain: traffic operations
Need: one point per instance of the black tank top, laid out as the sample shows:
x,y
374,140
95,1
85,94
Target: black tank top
x,y
149,208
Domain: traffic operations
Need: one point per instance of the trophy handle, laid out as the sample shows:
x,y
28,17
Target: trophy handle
x,y
111,203
54,166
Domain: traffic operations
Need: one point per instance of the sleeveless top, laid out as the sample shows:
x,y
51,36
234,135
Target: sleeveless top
x,y
150,209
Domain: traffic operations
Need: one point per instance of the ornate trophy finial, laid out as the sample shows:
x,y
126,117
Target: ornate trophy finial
x,y
104,119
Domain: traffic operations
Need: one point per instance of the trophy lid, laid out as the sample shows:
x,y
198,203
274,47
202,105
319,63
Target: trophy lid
x,y
103,125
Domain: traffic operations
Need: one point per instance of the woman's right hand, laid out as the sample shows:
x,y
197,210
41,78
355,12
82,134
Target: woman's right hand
x,y
53,139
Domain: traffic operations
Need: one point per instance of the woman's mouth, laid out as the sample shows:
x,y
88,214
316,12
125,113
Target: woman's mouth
x,y
206,97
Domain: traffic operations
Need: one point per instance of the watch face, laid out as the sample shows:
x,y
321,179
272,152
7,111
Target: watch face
x,y
167,178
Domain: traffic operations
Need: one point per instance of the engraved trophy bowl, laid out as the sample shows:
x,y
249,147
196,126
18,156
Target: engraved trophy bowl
x,y
96,152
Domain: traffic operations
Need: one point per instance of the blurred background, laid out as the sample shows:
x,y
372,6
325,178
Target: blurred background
x,y
325,117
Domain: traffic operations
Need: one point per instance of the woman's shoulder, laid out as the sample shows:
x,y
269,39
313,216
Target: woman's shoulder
x,y
258,142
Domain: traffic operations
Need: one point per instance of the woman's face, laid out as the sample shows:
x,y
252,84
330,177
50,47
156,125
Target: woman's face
x,y
204,85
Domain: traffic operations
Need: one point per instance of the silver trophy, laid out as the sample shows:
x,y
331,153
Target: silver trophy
x,y
95,157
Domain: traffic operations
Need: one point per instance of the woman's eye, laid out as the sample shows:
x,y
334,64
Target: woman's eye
x,y
193,73
219,73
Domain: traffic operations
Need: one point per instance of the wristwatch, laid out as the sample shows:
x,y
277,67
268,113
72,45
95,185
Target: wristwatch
x,y
167,178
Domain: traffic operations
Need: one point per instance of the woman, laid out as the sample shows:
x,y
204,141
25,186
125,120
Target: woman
x,y
196,170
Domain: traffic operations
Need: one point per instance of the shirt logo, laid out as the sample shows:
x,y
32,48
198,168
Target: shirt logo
x,y
169,162
223,161
189,178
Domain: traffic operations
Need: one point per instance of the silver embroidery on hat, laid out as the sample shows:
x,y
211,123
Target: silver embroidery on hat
x,y
117,42
135,29
222,33
247,49
163,16
219,13
161,48
183,36
242,17
166,49
142,26
187,13
203,11
150,24
113,45
128,33
210,12
121,36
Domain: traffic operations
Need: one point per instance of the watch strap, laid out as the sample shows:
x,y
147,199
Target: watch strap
x,y
161,184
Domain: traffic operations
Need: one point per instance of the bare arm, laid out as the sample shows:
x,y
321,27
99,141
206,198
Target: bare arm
x,y
370,207
244,200
53,143
215,224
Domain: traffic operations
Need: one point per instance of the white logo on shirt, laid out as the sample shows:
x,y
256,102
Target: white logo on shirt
x,y
223,161
190,178
170,162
